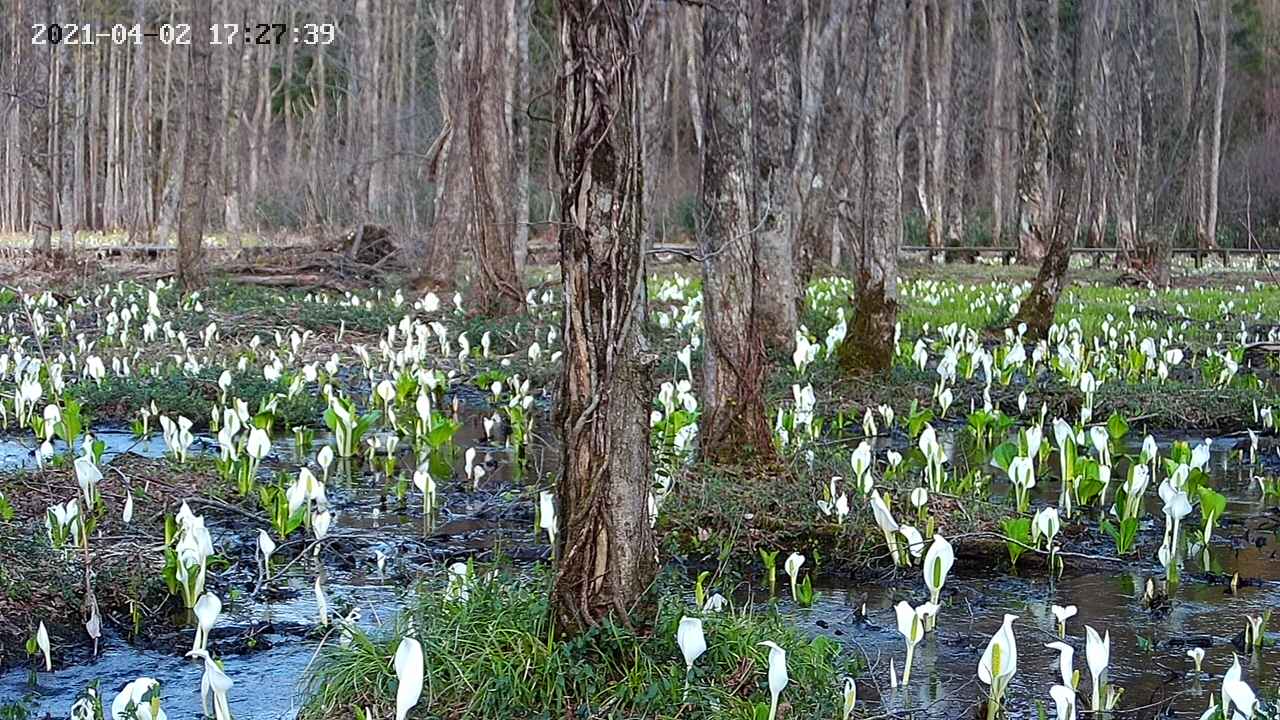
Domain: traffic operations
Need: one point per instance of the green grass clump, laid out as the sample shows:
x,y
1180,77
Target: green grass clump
x,y
494,656
118,398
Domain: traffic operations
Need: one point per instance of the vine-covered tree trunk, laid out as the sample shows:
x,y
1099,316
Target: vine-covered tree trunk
x,y
606,553
195,160
734,420
869,344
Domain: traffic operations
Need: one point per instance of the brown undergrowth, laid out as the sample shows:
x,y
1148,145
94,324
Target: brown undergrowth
x,y
125,560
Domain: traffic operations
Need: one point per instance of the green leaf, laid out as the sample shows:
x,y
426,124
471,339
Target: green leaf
x,y
1003,455
442,433
1018,533
1110,529
1117,427
1212,505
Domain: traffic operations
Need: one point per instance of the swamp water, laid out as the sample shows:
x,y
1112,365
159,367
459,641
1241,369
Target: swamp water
x,y
266,647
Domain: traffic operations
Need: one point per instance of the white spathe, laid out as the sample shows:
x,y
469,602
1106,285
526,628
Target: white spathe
x,y
409,673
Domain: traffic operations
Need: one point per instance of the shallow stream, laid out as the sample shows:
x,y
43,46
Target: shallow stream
x,y
266,646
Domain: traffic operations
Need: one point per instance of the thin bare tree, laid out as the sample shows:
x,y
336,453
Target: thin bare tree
x,y
193,204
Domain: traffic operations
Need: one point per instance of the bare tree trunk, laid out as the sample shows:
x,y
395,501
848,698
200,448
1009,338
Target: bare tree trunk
x,y
361,104
938,92
810,196
657,58
1151,245
195,165
997,133
235,120
734,419
170,169
1215,151
260,123
1037,310
446,161
693,60
372,175
606,549
1183,176
521,19
319,138
471,162
869,345
775,229
287,109
1040,78
37,147
903,69
67,131
1097,103
958,142
497,289
139,201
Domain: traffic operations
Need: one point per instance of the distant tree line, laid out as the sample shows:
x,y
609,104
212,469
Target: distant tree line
x,y
1178,121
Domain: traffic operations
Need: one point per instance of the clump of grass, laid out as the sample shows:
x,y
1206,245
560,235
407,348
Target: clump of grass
x,y
495,656
721,514
118,398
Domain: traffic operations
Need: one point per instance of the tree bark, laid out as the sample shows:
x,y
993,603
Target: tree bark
x,y
68,131
472,160
239,72
657,58
171,135
1097,99
606,549
958,142
195,161
775,229
497,290
36,148
869,344
734,419
1149,254
519,113
139,201
939,14
1040,79
1215,150
446,161
997,22
1037,310
810,197
693,61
